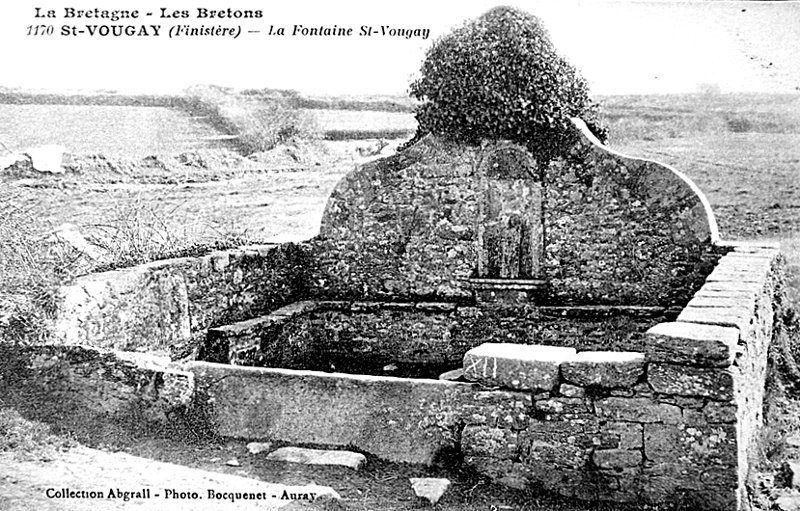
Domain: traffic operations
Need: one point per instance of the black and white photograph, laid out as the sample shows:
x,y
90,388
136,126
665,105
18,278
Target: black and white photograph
x,y
362,256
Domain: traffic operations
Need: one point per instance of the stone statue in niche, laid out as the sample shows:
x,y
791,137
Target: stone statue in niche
x,y
510,221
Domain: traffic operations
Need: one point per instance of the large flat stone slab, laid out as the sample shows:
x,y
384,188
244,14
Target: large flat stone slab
x,y
347,459
515,366
691,343
395,419
738,317
606,369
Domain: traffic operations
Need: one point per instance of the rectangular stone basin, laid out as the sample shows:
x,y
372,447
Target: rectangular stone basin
x,y
419,340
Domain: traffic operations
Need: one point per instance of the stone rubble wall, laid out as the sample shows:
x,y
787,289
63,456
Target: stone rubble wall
x,y
623,230
616,230
75,386
165,304
678,423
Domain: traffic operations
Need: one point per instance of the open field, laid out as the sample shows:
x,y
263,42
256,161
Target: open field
x,y
125,131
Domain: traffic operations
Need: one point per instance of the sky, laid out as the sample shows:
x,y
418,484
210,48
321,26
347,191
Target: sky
x,y
620,47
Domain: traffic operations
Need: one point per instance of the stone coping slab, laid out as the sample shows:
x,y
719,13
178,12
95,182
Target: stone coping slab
x,y
691,343
515,366
607,369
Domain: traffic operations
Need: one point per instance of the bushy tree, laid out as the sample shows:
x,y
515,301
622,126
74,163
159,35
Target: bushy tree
x,y
499,77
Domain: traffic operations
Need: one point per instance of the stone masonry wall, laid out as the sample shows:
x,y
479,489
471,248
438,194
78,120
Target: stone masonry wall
x,y
416,225
677,421
163,305
623,230
92,392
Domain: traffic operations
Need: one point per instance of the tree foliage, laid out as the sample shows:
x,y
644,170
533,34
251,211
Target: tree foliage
x,y
499,77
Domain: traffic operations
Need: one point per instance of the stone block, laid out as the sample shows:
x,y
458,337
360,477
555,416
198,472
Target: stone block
x,y
711,382
691,446
732,275
637,409
731,286
714,412
400,420
628,435
617,458
714,291
691,343
788,502
493,442
705,300
499,409
568,390
143,308
515,366
429,488
304,456
738,317
453,375
585,424
258,447
563,405
550,451
506,472
607,369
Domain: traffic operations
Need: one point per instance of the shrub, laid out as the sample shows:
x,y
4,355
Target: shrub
x,y
499,77
259,123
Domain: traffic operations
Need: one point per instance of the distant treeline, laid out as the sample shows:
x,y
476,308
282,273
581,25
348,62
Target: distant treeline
x,y
111,99
286,97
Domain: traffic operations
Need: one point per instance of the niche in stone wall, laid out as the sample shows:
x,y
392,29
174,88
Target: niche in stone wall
x,y
510,221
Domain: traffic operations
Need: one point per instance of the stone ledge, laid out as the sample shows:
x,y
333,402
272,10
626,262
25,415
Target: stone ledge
x,y
277,316
691,343
606,369
239,343
515,366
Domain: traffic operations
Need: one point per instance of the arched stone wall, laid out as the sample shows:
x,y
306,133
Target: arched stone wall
x,y
421,223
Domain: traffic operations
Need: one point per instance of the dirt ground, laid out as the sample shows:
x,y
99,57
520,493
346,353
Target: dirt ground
x,y
185,465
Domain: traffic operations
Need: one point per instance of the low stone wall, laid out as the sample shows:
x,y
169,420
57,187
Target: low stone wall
x,y
679,424
164,304
678,421
91,391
